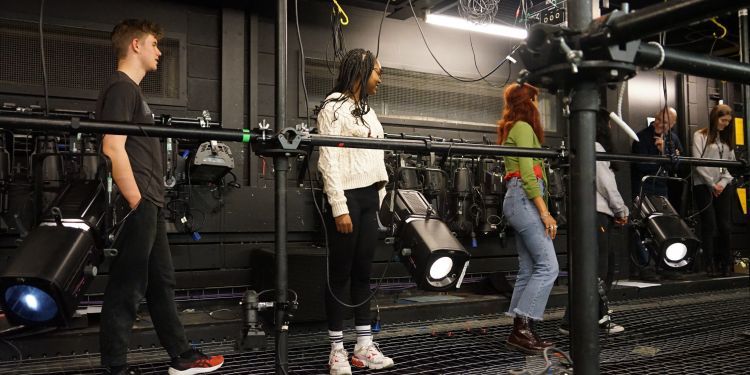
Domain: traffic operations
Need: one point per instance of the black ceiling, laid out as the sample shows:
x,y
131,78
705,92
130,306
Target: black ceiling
x,y
702,37
698,38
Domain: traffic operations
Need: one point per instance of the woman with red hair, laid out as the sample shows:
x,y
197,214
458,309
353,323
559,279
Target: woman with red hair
x,y
526,210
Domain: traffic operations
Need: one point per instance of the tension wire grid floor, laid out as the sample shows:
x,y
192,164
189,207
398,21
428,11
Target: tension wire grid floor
x,y
685,334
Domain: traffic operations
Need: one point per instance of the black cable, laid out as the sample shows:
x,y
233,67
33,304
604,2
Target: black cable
x,y
424,39
710,203
18,351
474,55
337,35
262,292
44,63
328,252
380,29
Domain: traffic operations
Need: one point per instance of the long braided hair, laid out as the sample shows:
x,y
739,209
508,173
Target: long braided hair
x,y
354,72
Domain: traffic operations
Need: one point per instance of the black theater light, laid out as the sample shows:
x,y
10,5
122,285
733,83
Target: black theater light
x,y
212,161
666,234
425,244
55,263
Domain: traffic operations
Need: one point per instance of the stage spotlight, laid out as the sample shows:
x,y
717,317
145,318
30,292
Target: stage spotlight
x,y
212,161
428,249
55,263
669,237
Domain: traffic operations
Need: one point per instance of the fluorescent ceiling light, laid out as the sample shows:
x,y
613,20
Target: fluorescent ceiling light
x,y
463,24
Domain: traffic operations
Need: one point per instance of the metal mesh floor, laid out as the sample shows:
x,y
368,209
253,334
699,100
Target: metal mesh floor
x,y
686,334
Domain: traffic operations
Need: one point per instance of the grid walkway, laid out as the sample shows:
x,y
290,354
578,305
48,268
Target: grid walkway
x,y
685,334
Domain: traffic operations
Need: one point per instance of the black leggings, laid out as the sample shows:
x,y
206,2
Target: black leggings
x,y
350,257
606,266
715,225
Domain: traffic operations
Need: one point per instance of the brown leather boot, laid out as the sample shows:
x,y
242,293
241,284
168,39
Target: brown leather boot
x,y
522,338
543,343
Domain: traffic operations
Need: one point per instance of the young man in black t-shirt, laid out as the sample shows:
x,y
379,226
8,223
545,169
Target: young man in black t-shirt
x,y
143,267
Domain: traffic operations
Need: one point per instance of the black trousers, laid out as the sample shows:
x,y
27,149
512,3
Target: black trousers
x,y
143,267
715,225
606,267
350,257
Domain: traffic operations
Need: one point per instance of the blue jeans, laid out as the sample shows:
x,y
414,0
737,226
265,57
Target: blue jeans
x,y
537,262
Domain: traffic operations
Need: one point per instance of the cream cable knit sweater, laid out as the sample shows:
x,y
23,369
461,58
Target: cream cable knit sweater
x,y
349,168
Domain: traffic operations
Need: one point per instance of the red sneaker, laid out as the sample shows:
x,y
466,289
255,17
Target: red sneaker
x,y
195,362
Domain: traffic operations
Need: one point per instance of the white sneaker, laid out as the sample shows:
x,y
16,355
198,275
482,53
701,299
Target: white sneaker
x,y
611,328
338,362
606,325
370,356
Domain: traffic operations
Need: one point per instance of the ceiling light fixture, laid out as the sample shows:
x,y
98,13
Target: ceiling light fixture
x,y
463,24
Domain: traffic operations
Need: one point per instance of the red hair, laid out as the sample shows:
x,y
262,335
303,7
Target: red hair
x,y
519,106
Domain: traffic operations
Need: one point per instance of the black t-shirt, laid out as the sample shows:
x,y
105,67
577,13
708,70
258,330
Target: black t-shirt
x,y
121,100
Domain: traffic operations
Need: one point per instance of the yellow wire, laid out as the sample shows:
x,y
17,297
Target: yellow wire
x,y
723,29
345,20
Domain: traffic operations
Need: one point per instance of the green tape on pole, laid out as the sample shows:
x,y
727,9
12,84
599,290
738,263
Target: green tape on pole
x,y
246,135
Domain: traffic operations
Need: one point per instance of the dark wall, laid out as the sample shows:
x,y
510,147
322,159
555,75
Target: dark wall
x,y
239,87
200,25
226,82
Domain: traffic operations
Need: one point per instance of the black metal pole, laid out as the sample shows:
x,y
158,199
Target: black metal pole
x,y
667,160
411,143
744,32
582,246
426,146
76,125
281,164
693,63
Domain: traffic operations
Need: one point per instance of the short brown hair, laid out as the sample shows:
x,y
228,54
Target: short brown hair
x,y
127,30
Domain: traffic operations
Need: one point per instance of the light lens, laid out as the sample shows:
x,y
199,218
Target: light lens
x,y
31,303
676,252
440,268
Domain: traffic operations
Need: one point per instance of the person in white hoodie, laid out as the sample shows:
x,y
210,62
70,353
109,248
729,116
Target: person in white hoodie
x,y
712,191
354,184
611,209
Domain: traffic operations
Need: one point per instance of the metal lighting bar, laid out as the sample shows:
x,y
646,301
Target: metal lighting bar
x,y
634,158
76,125
451,148
693,63
419,145
663,16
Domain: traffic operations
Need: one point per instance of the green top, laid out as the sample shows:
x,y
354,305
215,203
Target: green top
x,y
522,135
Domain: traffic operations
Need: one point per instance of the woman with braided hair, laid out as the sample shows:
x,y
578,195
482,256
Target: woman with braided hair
x,y
525,209
354,184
